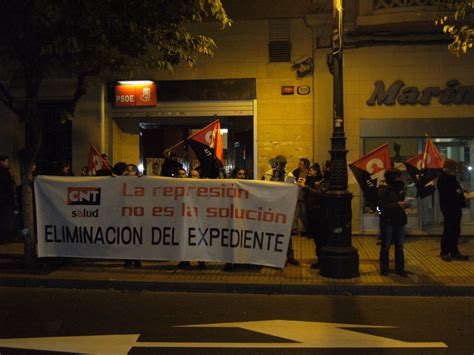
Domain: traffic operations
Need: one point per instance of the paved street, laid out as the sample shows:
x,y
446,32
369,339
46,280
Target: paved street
x,y
151,323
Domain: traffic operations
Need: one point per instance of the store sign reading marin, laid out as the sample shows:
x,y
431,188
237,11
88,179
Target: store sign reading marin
x,y
155,218
135,95
452,94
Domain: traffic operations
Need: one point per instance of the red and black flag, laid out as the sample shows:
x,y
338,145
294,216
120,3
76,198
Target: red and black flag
x,y
369,171
96,161
424,169
207,145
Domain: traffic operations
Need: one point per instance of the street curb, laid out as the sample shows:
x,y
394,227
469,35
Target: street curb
x,y
245,288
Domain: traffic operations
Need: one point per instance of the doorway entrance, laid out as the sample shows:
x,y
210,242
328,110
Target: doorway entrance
x,y
237,138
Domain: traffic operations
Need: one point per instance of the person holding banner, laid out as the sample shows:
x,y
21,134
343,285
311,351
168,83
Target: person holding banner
x,y
278,172
121,169
238,173
182,174
391,201
451,201
105,170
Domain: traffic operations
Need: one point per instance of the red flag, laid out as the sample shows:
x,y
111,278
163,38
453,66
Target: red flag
x,y
424,169
416,161
369,171
431,157
378,160
96,162
211,137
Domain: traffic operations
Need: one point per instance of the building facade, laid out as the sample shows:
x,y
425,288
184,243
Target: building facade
x,y
270,83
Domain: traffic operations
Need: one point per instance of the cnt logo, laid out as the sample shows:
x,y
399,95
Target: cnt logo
x,y
83,195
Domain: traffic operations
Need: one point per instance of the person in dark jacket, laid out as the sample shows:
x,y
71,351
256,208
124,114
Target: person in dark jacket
x,y
7,200
392,220
316,221
451,201
171,165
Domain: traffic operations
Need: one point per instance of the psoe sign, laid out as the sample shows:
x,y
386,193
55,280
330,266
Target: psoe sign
x,y
135,95
453,94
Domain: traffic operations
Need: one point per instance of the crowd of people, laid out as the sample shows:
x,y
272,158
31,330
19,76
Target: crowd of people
x,y
313,180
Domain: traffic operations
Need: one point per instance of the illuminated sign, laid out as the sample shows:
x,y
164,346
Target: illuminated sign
x,y
287,90
135,94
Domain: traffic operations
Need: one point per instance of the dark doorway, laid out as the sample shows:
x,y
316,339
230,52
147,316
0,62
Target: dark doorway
x,y
155,137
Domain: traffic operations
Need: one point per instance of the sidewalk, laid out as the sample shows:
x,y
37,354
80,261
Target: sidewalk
x,y
429,275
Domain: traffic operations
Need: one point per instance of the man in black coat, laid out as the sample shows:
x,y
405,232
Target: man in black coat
x,y
7,200
451,201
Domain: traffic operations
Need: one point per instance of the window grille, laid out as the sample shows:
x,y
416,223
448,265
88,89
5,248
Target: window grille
x,y
279,41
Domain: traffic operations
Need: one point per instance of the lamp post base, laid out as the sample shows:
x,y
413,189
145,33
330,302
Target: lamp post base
x,y
339,262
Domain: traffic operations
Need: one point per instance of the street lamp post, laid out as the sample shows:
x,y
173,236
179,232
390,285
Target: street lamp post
x,y
338,259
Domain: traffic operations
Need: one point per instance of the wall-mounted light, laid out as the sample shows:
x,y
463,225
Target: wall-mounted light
x,y
135,82
303,66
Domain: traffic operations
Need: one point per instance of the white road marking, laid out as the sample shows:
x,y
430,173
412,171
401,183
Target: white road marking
x,y
301,334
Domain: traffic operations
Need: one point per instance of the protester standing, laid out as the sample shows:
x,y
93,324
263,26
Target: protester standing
x,y
242,174
121,169
182,174
105,170
132,170
451,201
7,200
391,200
316,224
300,174
278,172
194,174
171,165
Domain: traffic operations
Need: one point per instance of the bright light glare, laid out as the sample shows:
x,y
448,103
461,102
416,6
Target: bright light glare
x,y
224,130
469,168
140,168
135,82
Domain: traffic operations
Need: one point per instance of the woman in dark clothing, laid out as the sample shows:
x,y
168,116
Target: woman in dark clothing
x,y
392,220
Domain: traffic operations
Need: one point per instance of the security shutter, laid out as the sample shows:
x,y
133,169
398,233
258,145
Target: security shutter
x,y
279,40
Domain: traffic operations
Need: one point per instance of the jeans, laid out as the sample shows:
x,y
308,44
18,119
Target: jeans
x,y
392,234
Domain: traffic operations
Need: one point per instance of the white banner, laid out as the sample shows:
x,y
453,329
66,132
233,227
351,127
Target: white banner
x,y
155,218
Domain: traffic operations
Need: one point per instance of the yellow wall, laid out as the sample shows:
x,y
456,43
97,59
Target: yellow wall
x,y
284,123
